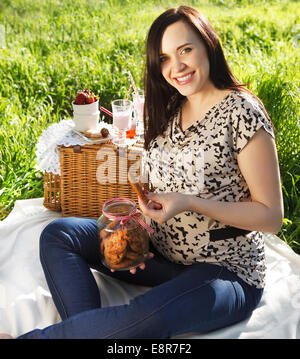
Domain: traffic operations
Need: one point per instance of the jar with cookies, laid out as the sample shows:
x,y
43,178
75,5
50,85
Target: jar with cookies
x,y
123,234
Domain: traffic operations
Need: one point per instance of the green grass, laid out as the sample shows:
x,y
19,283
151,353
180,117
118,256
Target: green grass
x,y
53,48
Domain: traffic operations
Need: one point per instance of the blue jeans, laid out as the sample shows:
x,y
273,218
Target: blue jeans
x,y
183,298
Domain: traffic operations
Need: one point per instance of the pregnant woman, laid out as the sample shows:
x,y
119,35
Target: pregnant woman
x,y
212,163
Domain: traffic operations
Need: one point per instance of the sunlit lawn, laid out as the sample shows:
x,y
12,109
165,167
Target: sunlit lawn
x,y
54,48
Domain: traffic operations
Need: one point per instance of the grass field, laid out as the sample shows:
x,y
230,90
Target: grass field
x,y
50,49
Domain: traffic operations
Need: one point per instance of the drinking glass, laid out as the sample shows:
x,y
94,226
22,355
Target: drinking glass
x,y
122,111
138,104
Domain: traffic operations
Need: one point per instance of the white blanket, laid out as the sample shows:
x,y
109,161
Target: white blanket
x,y
26,303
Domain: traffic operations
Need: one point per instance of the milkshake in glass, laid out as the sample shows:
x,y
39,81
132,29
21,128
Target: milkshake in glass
x,y
122,112
138,104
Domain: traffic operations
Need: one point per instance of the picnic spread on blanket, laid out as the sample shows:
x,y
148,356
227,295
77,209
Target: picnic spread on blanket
x,y
82,168
75,154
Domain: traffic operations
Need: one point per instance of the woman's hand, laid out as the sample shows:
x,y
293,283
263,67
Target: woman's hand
x,y
164,206
161,207
141,266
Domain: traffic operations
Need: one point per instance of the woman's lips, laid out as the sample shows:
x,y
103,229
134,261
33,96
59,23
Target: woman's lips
x,y
184,80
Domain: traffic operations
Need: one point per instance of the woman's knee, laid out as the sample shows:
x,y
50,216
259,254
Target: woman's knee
x,y
67,233
55,232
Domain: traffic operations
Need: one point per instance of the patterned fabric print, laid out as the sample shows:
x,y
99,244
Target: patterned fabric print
x,y
202,161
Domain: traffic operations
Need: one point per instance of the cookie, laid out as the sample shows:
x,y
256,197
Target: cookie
x,y
116,242
138,240
137,187
123,248
114,258
133,256
93,134
125,264
106,231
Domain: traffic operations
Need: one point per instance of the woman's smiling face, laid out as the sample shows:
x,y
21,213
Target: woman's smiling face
x,y
184,60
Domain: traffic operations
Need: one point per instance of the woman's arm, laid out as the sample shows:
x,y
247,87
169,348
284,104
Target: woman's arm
x,y
259,165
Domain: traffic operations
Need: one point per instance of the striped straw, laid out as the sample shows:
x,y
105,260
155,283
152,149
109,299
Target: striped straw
x,y
134,86
127,98
106,111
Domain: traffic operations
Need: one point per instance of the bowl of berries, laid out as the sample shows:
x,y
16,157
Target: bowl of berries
x,y
85,111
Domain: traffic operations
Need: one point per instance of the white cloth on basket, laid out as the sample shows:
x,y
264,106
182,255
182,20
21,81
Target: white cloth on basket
x,y
61,133
26,303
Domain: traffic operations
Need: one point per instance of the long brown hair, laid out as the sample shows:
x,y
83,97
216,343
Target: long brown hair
x,y
161,99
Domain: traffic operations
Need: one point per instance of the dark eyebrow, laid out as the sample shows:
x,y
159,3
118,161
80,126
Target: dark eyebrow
x,y
179,47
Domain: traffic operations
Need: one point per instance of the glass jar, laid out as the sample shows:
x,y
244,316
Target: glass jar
x,y
124,242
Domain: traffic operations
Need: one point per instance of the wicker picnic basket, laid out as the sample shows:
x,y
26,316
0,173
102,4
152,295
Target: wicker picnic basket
x,y
90,175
